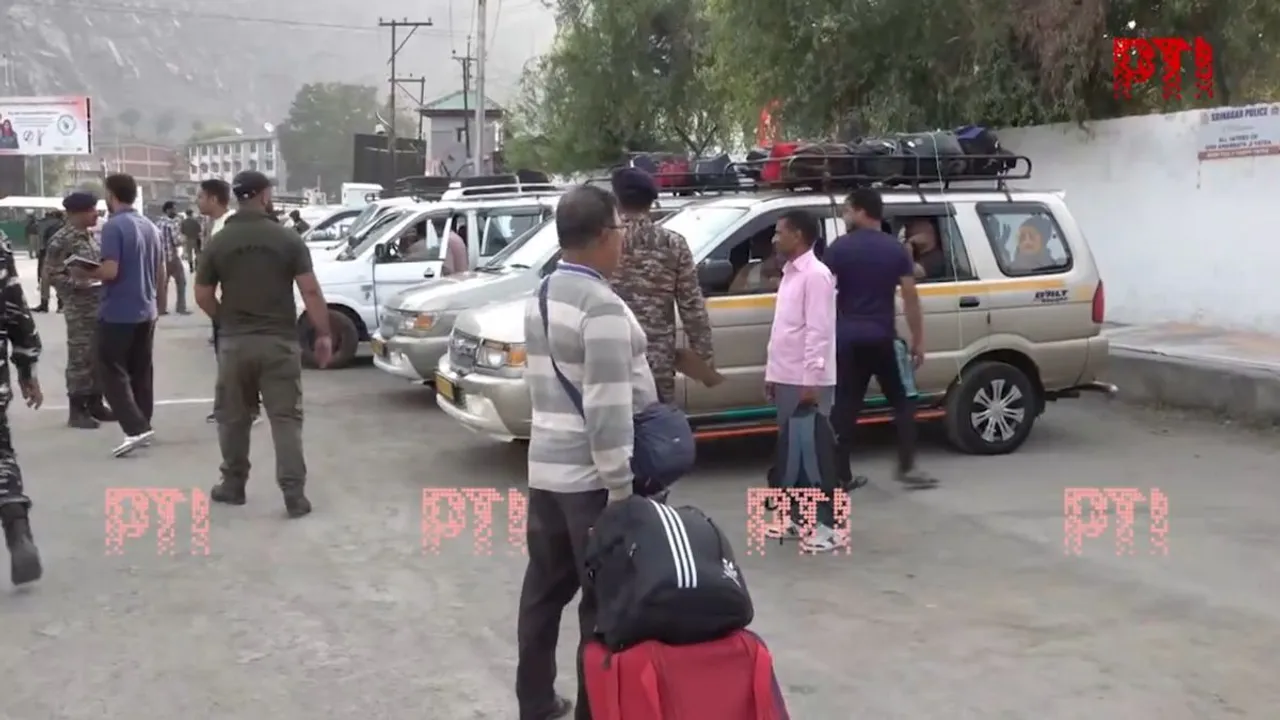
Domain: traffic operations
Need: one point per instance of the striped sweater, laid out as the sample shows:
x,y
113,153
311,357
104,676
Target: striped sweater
x,y
600,347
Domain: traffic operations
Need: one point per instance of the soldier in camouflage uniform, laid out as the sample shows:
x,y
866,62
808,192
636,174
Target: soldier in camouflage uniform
x,y
80,300
656,278
17,329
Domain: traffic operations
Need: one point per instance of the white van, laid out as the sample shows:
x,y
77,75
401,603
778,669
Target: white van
x,y
361,278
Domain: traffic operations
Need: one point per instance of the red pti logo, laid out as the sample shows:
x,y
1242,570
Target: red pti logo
x,y
134,525
1135,64
1076,528
767,507
446,513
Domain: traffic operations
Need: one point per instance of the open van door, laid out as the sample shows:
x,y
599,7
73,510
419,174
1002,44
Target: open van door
x,y
412,257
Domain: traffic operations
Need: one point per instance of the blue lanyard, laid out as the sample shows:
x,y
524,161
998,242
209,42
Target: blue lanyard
x,y
579,269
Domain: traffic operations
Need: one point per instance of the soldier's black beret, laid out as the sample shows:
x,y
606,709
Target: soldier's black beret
x,y
80,201
634,183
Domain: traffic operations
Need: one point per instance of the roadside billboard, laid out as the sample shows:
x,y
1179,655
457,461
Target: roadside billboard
x,y
45,125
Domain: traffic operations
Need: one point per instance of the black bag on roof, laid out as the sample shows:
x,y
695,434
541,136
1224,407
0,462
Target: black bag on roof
x,y
714,173
663,573
754,165
935,155
811,164
880,159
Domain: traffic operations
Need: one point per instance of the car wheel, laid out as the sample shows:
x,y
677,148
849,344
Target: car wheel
x,y
346,340
991,409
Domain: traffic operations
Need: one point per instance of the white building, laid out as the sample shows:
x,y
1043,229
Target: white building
x,y
223,157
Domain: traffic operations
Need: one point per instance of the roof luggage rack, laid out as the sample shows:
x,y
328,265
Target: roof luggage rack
x,y
837,169
427,188
522,182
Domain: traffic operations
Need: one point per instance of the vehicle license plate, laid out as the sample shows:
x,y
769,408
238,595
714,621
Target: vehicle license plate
x,y
446,388
379,348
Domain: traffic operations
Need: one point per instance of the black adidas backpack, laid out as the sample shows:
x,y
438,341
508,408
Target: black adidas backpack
x,y
663,573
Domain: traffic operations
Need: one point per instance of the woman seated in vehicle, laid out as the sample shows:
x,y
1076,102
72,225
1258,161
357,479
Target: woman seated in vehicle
x,y
1032,251
920,236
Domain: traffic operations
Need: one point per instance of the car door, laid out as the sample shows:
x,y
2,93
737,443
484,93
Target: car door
x,y
741,317
394,271
955,306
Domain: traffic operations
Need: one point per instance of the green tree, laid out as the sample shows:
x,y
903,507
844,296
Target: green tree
x,y
56,170
130,119
316,137
622,76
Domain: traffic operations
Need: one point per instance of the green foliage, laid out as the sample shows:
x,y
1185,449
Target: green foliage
x,y
56,171
621,76
705,68
316,137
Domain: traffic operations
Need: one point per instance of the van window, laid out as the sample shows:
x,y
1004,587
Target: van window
x,y
1026,239
757,269
503,226
949,261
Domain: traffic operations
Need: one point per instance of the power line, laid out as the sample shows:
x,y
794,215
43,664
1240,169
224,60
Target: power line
x,y
184,15
392,147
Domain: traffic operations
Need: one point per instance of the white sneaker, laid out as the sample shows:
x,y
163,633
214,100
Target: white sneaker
x,y
133,442
786,530
824,540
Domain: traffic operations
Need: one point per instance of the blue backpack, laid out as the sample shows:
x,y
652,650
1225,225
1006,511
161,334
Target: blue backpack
x,y
664,447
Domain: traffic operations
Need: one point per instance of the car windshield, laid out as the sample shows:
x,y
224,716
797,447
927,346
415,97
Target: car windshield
x,y
379,230
701,226
366,218
526,251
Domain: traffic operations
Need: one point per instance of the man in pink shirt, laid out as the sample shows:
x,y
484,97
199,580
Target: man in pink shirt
x,y
801,368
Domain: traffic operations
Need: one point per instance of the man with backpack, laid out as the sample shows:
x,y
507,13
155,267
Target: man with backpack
x,y
801,366
584,346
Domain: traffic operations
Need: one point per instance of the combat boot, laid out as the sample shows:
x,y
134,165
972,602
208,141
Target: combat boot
x,y
99,411
24,558
296,504
78,414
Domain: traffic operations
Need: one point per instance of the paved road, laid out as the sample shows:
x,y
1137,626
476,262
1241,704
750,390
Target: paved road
x,y
956,603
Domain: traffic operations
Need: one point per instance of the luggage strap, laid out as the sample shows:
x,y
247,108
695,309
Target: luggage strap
x,y
575,396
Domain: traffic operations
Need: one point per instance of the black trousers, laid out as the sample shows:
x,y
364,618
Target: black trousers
x,y
126,373
856,364
10,473
556,536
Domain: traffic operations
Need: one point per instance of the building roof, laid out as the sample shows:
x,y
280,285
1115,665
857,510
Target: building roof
x,y
458,102
231,139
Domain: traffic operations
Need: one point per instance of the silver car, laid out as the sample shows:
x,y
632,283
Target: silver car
x,y
413,333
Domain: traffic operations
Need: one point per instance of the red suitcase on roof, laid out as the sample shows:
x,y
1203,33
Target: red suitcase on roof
x,y
779,156
727,679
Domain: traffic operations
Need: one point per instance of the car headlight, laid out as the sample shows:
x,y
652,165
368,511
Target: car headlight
x,y
498,355
418,322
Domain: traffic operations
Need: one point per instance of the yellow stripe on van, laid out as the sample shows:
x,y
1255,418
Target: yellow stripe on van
x,y
758,302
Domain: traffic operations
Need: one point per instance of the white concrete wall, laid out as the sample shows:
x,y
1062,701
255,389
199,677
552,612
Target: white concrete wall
x,y
1177,240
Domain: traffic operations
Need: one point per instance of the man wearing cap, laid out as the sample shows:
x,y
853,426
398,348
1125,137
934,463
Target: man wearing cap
x,y
81,299
657,277
170,227
256,262
17,333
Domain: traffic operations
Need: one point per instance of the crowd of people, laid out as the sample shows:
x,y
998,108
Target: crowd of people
x,y
112,287
607,329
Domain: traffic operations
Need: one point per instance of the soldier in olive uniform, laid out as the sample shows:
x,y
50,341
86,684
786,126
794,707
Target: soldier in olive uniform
x,y
80,308
656,278
17,332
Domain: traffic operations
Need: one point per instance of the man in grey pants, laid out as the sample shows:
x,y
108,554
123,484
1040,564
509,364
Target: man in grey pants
x,y
578,463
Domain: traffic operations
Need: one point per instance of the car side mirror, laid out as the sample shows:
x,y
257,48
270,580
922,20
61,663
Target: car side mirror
x,y
382,253
715,275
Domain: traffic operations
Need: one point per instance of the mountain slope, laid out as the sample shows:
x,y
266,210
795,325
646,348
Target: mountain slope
x,y
237,62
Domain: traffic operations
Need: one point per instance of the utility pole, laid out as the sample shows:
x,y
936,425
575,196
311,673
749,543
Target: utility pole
x,y
481,20
466,62
421,82
396,47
